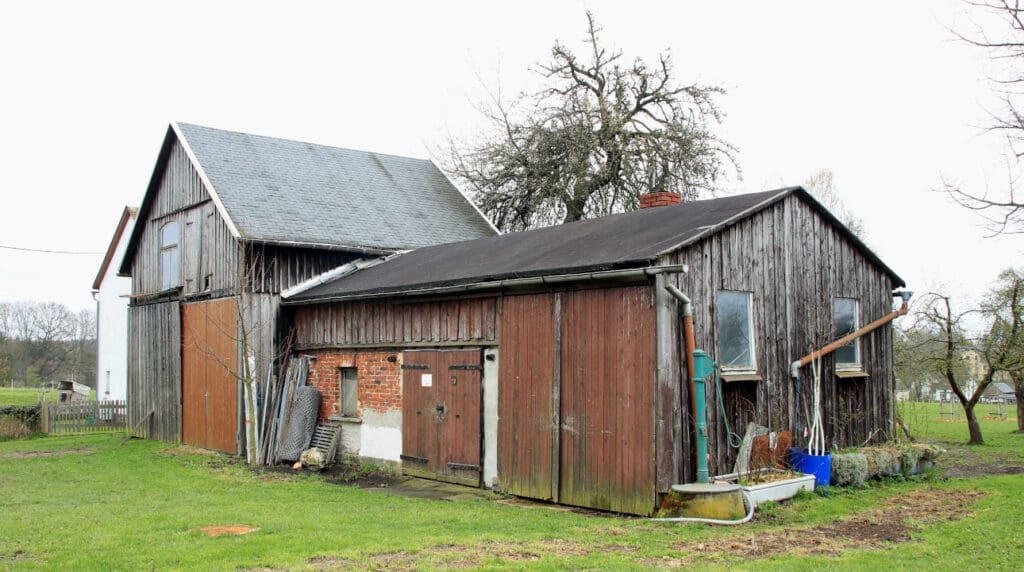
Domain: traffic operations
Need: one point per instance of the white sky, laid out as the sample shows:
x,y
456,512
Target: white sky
x,y
878,92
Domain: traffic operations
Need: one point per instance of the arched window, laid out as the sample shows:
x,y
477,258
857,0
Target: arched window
x,y
170,264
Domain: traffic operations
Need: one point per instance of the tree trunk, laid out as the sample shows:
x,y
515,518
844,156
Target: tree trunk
x,y
1018,391
973,426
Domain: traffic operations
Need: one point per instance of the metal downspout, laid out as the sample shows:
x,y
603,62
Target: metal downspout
x,y
689,345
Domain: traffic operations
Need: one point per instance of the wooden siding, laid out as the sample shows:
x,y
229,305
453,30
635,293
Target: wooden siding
x,y
794,263
274,269
527,396
154,371
391,323
206,247
607,399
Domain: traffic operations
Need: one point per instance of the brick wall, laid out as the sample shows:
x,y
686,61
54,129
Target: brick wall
x,y
379,380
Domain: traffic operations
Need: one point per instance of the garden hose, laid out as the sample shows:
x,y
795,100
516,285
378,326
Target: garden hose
x,y
731,438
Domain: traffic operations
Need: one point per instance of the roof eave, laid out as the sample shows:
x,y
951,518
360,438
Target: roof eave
x,y
128,214
476,283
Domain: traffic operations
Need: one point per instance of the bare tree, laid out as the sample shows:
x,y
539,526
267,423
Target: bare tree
x,y
996,348
43,340
602,132
1005,342
947,328
1002,208
822,186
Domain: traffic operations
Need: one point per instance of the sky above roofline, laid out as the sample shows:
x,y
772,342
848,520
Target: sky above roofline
x,y
878,92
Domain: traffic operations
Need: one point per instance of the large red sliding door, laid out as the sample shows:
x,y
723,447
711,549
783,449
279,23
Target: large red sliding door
x,y
209,388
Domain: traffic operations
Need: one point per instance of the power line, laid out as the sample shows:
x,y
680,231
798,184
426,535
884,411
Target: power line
x,y
48,251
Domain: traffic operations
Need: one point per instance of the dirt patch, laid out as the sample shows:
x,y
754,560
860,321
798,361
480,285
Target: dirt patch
x,y
10,557
344,472
893,523
462,556
185,450
330,563
54,453
229,530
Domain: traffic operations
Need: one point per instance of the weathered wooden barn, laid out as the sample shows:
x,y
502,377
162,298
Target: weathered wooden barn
x,y
549,364
228,221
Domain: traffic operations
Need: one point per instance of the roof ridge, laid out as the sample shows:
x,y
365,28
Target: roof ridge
x,y
299,141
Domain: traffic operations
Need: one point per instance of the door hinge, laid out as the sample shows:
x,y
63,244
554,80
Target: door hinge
x,y
463,467
415,366
467,367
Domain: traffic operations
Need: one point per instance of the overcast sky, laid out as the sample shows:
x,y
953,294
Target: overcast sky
x,y
878,92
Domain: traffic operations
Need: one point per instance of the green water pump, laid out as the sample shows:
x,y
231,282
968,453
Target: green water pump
x,y
703,368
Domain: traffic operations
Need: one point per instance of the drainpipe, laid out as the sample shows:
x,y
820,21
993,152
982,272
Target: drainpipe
x,y
794,368
689,345
688,341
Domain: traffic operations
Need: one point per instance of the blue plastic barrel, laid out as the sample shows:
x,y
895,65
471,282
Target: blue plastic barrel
x,y
818,465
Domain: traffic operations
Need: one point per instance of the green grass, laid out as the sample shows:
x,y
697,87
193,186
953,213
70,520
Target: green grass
x,y
30,395
1003,447
139,506
20,396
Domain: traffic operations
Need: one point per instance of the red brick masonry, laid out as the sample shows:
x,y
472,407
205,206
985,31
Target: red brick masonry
x,y
380,380
661,199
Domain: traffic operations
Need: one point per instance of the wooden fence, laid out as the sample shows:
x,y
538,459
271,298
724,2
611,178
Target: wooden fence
x,y
84,417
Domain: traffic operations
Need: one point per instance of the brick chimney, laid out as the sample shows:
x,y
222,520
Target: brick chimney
x,y
662,199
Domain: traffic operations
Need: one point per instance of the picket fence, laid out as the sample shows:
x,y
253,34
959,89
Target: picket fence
x,y
83,417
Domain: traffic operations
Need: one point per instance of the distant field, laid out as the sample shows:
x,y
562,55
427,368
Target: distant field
x,y
23,396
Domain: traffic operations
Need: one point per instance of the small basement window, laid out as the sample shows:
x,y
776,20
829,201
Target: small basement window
x,y
170,264
845,315
348,378
735,331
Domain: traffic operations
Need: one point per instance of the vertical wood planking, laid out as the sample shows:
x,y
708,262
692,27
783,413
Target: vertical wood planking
x,y
607,399
370,322
527,424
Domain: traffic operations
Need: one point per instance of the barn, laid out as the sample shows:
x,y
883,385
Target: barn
x,y
548,364
228,221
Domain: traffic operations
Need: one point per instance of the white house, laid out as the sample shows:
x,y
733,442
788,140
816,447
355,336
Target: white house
x,y
111,293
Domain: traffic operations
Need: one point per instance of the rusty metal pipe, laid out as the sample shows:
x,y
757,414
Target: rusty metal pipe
x,y
794,369
849,338
689,343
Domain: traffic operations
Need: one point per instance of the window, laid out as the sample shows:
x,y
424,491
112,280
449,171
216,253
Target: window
x,y
170,267
845,316
735,339
347,377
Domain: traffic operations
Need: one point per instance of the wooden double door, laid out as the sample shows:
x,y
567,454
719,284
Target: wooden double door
x,y
441,415
209,388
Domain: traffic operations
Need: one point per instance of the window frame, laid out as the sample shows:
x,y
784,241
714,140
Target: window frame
x,y
354,379
751,346
172,279
857,363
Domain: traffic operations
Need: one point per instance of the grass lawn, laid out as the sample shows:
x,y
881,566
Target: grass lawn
x,y
86,503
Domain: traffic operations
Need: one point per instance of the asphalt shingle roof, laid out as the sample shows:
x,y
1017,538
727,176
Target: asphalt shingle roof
x,y
277,190
628,240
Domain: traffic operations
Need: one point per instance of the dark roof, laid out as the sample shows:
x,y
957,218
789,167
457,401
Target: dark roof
x,y
621,241
127,216
286,192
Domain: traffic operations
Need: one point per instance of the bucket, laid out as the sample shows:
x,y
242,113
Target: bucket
x,y
818,465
